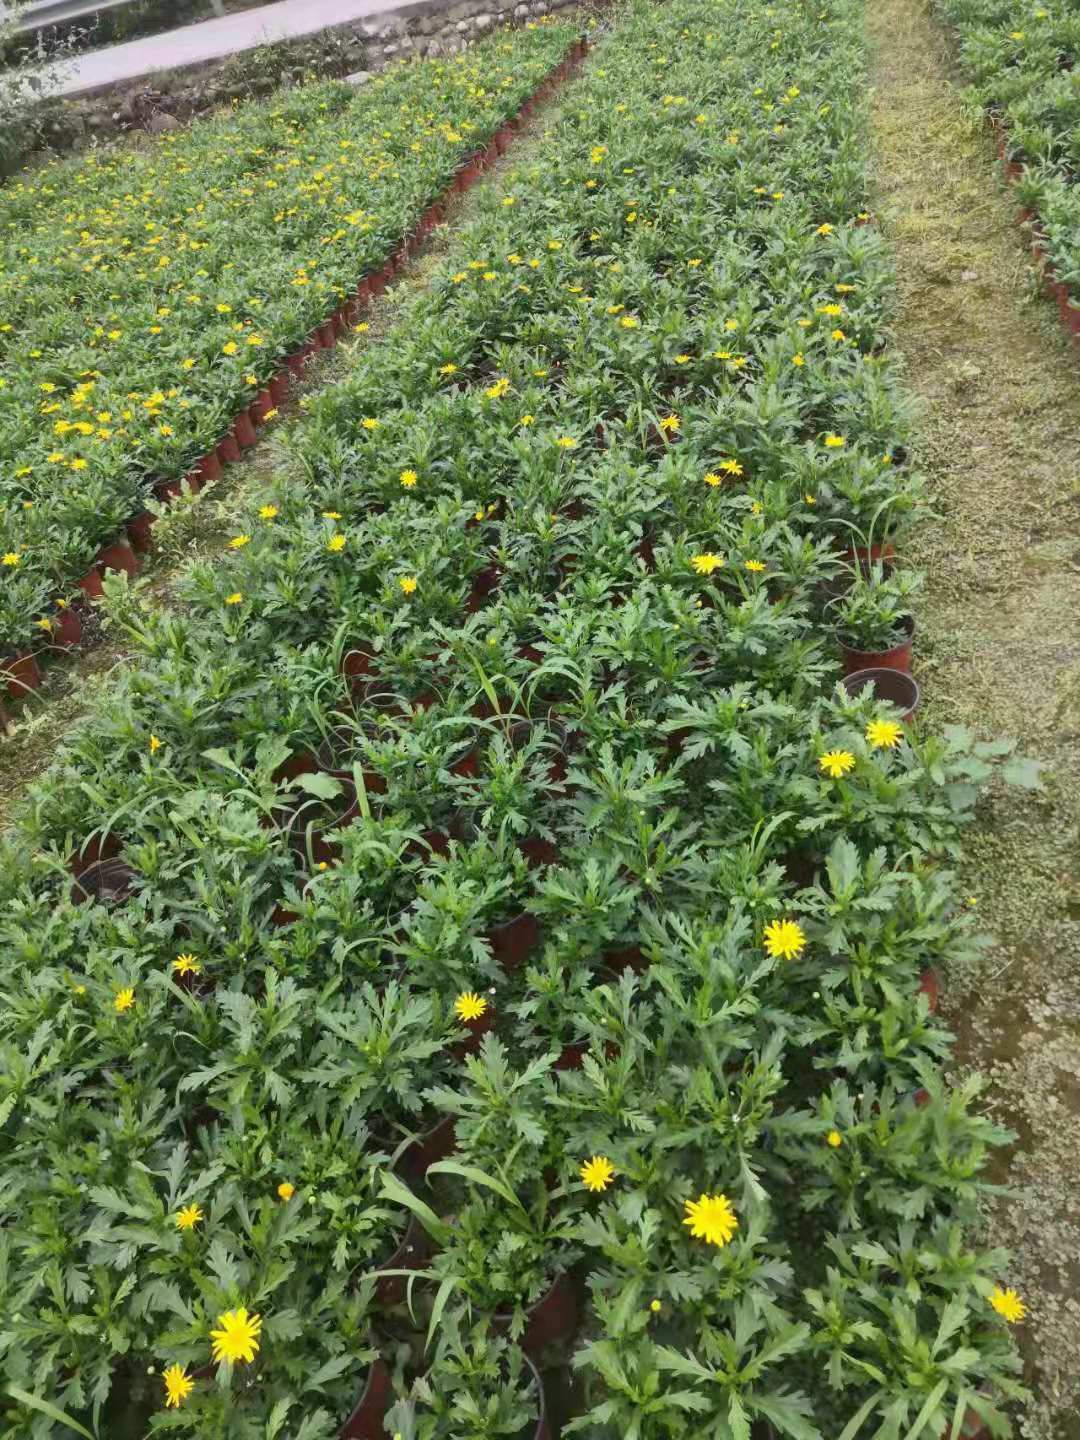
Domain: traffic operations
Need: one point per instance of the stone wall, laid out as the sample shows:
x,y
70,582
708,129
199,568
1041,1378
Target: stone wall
x,y
355,51
432,27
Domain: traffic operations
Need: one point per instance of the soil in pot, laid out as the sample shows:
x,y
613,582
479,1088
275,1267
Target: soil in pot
x,y
514,940
414,1252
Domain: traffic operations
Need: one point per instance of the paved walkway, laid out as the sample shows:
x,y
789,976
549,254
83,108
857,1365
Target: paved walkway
x,y
211,40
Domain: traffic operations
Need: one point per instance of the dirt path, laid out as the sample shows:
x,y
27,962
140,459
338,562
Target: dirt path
x,y
998,435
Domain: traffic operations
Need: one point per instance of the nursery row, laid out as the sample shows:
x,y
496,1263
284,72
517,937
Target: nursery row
x,y
475,976
1021,62
148,294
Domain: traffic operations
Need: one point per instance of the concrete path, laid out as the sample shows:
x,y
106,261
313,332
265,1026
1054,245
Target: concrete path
x,y
210,40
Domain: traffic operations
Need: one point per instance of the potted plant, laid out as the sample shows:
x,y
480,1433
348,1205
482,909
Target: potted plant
x,y
873,621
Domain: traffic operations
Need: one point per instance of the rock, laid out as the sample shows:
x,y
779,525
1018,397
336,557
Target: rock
x,y
358,77
484,22
521,11
161,121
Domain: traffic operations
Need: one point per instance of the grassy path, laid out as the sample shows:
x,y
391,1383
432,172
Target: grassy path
x,y
999,438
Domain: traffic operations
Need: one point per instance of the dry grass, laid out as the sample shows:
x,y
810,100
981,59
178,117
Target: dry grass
x,y
998,434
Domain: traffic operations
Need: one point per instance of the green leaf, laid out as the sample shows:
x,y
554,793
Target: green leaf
x,y
324,786
393,1189
36,1403
476,1177
933,1400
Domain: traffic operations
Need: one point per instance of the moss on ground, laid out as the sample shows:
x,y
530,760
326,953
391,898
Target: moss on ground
x,y
998,436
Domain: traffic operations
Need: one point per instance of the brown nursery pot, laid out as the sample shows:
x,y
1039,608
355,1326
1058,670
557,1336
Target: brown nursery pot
x,y
432,1145
93,849
67,628
867,555
244,429
629,957
118,556
263,402
468,766
1070,315
279,386
551,1320
356,663
229,449
897,657
140,531
930,986
538,851
896,686
21,674
323,851
366,1420
297,361
208,468
90,584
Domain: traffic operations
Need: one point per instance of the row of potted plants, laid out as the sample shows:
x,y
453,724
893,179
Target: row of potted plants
x,y
133,324
486,847
1019,61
